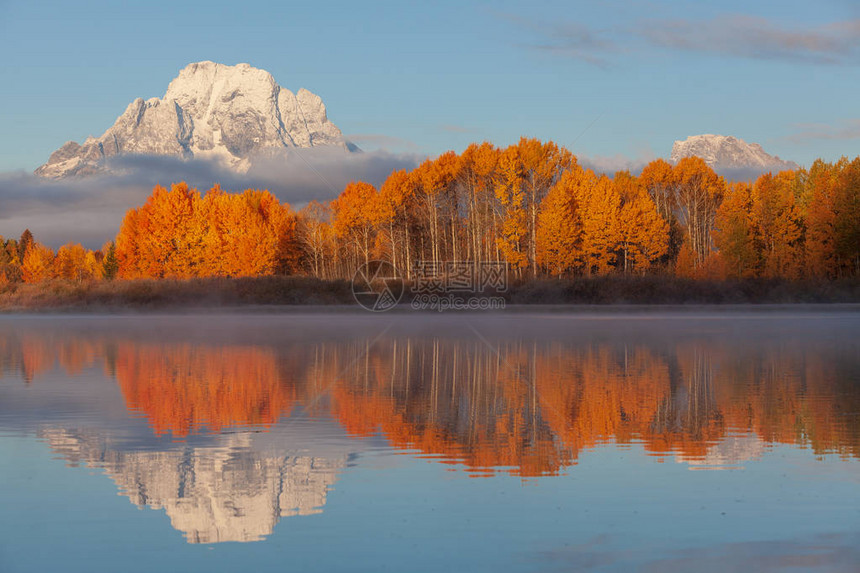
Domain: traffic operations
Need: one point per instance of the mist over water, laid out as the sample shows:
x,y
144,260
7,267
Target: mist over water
x,y
610,440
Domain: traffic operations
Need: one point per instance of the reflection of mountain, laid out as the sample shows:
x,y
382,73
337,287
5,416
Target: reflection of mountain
x,y
526,397
223,492
729,453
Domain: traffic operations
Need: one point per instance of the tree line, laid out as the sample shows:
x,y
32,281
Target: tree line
x,y
531,205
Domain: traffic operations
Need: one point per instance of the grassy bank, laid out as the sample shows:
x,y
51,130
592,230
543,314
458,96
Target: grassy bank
x,y
286,291
652,289
168,293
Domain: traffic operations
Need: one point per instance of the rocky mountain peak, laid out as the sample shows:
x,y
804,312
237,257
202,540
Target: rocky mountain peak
x,y
728,153
210,110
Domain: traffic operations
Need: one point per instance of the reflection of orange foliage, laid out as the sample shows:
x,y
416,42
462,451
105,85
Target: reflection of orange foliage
x,y
534,410
32,356
502,444
528,408
450,402
183,388
592,395
794,398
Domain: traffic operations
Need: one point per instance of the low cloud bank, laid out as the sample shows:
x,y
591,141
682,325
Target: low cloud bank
x,y
613,164
89,210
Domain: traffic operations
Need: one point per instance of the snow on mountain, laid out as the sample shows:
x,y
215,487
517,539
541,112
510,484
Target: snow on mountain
x,y
227,491
215,111
728,153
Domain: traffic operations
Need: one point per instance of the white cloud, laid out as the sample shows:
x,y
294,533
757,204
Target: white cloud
x,y
89,209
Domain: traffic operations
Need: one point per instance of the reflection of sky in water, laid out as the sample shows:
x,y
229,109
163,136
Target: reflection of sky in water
x,y
588,433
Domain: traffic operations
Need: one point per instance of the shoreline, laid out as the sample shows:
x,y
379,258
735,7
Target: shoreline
x,y
289,294
354,310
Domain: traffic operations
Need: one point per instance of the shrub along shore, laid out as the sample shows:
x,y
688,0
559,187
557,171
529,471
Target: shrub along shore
x,y
294,291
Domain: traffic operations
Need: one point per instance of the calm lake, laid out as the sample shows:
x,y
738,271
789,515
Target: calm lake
x,y
547,440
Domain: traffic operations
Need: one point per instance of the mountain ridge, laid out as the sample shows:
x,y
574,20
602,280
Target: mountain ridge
x,y
725,152
212,111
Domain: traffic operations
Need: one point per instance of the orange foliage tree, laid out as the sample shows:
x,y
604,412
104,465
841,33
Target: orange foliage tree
x,y
511,196
733,235
559,232
74,262
178,234
643,233
699,193
847,220
777,225
38,264
316,238
355,214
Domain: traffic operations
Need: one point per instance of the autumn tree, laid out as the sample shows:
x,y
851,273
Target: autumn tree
x,y
354,217
164,237
777,225
434,180
173,245
699,193
24,243
559,232
10,263
601,234
541,165
110,263
660,181
75,263
846,206
513,234
178,234
820,218
129,253
733,235
317,238
38,263
477,178
396,201
643,233
247,234
527,171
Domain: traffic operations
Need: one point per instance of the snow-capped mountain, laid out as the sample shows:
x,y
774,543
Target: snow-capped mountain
x,y
228,113
227,491
724,152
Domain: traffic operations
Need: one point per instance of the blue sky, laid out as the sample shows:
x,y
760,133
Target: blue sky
x,y
613,80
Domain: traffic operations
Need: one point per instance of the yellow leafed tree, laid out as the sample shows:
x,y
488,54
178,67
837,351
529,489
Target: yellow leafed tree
x,y
38,264
643,233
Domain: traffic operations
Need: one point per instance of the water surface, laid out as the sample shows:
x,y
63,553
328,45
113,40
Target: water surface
x,y
534,441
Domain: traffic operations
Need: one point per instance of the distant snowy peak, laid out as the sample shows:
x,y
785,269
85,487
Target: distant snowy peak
x,y
228,113
728,153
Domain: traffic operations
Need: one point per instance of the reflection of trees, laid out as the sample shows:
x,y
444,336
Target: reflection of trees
x,y
463,402
31,355
184,387
533,407
688,417
601,392
528,406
